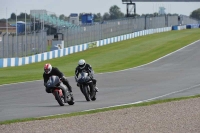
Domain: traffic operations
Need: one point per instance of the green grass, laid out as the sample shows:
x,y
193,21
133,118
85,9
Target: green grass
x,y
112,57
98,110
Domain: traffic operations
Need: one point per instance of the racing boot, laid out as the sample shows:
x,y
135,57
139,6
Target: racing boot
x,y
95,85
64,90
65,95
70,91
96,88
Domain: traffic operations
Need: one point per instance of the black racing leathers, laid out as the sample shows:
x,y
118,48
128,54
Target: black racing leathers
x,y
56,71
88,69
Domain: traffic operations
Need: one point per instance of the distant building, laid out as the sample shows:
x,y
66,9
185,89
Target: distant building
x,y
3,27
161,10
74,18
87,18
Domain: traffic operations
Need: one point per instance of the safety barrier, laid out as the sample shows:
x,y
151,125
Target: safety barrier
x,y
12,62
192,26
176,27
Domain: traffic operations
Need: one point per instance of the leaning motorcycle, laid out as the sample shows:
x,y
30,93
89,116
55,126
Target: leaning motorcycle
x,y
54,84
86,86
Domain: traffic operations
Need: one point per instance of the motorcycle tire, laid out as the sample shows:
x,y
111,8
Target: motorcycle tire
x,y
72,101
86,92
94,97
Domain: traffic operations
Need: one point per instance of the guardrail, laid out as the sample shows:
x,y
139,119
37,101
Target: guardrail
x,y
12,62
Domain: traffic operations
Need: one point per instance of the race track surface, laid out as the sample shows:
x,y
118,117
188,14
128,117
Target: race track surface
x,y
175,75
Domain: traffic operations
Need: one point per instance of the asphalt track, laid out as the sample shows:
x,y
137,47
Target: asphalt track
x,y
174,75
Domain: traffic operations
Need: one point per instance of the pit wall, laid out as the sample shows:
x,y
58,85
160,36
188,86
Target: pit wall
x,y
19,61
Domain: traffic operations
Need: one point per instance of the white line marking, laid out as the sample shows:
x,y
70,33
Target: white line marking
x,y
156,59
120,70
147,100
20,82
124,69
151,99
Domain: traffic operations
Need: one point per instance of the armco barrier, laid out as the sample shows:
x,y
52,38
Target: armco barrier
x,y
176,27
192,26
11,62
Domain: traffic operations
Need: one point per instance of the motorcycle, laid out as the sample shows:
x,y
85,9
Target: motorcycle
x,y
86,86
54,83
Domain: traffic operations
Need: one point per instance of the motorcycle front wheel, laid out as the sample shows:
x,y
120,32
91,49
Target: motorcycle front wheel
x,y
59,99
85,92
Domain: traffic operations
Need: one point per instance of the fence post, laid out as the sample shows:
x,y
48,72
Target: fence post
x,y
3,44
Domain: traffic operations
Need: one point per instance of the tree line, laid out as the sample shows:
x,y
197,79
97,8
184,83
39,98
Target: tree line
x,y
113,13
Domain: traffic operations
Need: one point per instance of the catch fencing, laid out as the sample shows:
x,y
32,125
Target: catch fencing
x,y
34,43
22,45
11,62
99,31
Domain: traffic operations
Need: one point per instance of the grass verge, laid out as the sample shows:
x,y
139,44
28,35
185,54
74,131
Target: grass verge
x,y
112,57
116,56
98,110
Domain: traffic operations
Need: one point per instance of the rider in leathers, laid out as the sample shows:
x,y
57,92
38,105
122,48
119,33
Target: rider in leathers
x,y
49,71
83,66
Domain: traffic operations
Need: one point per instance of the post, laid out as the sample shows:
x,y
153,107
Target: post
x,y
34,33
25,36
43,34
127,13
16,35
3,45
7,33
13,51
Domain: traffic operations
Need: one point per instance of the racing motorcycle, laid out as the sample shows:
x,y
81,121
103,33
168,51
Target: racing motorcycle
x,y
55,84
86,86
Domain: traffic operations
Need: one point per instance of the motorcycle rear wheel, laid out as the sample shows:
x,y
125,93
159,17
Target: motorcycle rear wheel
x,y
72,101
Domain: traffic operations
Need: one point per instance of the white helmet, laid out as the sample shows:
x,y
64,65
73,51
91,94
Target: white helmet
x,y
81,63
47,68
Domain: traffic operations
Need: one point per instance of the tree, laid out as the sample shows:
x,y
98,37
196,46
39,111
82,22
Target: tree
x,y
22,16
115,12
53,16
13,16
62,17
80,16
97,17
66,18
106,16
196,14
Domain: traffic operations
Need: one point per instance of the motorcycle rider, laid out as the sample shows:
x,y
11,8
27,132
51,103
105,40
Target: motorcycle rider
x,y
49,71
83,66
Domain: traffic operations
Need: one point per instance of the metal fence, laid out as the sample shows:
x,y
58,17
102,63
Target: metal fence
x,y
33,43
88,33
99,31
188,20
22,45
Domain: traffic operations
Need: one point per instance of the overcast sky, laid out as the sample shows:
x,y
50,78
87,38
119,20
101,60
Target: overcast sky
x,y
91,6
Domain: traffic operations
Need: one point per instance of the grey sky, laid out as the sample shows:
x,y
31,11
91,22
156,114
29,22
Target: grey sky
x,y
91,6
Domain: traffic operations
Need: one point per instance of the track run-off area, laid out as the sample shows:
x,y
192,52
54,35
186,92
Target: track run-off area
x,y
174,75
